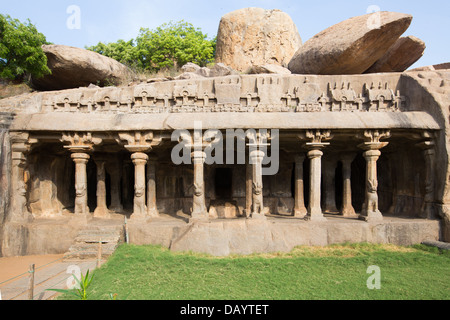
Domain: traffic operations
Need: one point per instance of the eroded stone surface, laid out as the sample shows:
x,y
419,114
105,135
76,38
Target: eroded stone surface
x,y
352,46
253,36
402,55
74,67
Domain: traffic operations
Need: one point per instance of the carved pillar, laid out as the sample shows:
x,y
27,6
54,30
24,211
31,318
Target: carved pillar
x,y
152,208
347,206
248,189
199,211
314,209
115,172
19,148
257,157
370,211
139,208
139,144
315,155
81,160
329,175
80,144
429,153
300,210
258,143
102,209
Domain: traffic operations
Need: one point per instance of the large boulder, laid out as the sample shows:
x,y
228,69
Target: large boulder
x,y
352,46
441,66
74,67
402,55
255,36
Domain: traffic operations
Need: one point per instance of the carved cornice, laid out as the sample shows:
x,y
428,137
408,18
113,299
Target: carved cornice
x,y
230,94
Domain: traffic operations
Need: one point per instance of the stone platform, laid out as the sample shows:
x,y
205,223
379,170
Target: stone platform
x,y
223,237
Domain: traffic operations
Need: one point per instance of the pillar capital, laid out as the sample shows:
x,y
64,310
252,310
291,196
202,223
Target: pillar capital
x,y
299,158
314,154
198,156
83,142
347,157
138,141
80,157
137,157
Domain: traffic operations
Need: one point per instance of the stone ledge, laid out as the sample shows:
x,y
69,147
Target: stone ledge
x,y
225,237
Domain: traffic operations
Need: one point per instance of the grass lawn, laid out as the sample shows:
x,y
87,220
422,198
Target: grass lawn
x,y
307,273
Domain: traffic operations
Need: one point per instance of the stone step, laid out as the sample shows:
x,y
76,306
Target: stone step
x,y
86,244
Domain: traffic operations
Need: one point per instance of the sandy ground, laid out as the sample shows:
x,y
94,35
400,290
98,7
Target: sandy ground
x,y
14,266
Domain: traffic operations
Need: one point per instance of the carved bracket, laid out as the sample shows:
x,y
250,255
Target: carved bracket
x,y
80,142
138,141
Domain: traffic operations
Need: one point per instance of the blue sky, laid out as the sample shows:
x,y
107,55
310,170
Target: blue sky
x,y
108,21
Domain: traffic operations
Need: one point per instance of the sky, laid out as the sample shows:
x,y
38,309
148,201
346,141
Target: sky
x,y
82,23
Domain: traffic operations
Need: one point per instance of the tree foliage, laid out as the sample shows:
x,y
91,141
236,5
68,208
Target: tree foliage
x,y
20,50
170,45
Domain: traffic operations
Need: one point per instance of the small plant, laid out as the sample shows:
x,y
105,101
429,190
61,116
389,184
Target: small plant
x,y
82,291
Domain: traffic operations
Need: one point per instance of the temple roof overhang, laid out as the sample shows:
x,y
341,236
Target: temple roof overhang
x,y
59,122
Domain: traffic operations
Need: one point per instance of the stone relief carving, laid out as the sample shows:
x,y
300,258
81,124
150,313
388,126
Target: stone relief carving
x,y
231,94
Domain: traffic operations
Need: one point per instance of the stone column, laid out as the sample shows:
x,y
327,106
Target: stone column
x,y
115,172
81,160
102,209
315,156
370,211
347,206
199,211
248,189
329,175
152,208
139,208
139,144
257,157
314,209
19,210
428,211
300,210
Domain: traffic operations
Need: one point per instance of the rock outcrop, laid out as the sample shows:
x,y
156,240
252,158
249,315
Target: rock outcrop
x,y
192,71
254,36
441,66
74,67
268,69
402,55
352,46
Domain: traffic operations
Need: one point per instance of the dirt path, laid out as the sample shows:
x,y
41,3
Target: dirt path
x,y
14,266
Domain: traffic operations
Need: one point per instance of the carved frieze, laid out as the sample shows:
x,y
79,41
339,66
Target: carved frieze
x,y
264,93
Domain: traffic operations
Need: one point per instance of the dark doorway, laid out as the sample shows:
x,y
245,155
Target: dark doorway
x,y
223,183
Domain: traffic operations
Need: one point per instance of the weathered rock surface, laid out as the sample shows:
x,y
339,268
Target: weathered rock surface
x,y
441,66
402,55
253,36
268,69
192,71
74,67
350,47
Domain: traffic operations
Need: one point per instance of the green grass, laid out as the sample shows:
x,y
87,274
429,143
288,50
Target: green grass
x,y
335,272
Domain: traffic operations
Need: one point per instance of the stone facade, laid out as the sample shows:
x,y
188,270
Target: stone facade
x,y
361,147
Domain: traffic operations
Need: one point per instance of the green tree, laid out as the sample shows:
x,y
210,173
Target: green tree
x,y
20,50
123,51
173,45
170,45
